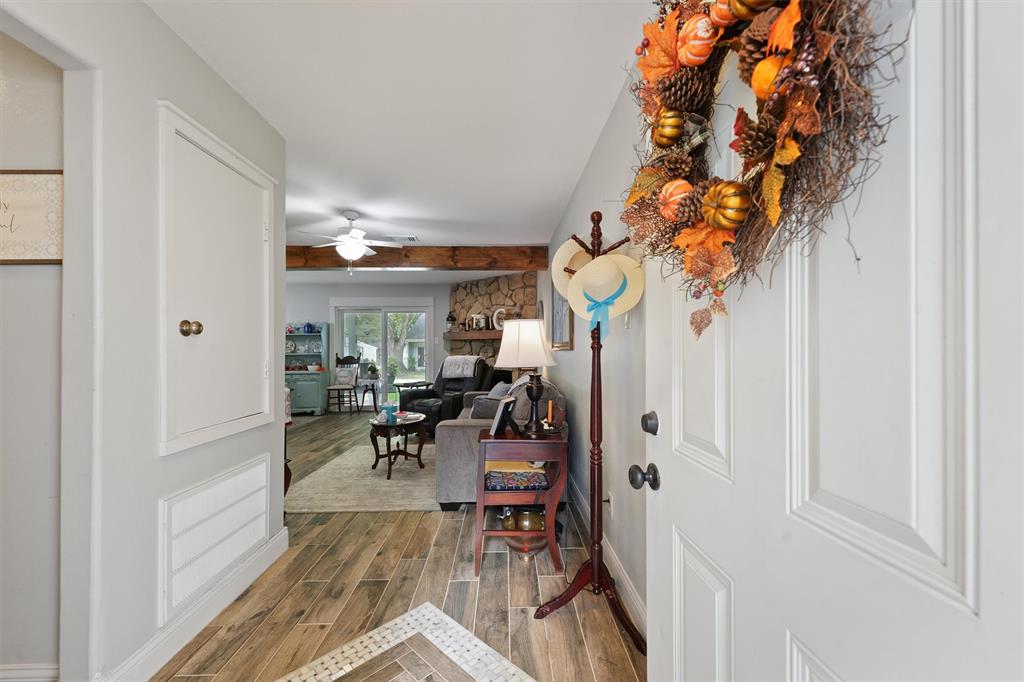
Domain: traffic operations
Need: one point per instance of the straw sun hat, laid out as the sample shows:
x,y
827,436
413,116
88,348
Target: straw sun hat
x,y
569,255
604,288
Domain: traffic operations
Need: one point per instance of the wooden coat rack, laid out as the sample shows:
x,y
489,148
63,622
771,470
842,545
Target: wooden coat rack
x,y
593,574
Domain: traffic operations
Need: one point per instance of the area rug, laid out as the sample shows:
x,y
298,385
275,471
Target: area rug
x,y
418,644
347,483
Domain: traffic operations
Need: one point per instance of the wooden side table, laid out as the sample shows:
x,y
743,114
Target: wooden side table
x,y
411,422
554,452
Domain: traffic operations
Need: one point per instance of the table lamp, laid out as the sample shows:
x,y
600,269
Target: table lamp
x,y
524,345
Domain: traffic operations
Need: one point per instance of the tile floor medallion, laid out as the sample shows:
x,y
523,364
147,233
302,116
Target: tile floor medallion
x,y
417,644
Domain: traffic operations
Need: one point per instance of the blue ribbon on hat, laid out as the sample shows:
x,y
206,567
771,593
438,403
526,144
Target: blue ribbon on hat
x,y
599,309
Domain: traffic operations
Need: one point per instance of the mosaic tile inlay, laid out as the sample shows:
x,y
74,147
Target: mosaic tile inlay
x,y
478,660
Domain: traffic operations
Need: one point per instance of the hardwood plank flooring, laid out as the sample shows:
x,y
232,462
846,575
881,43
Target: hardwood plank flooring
x,y
346,573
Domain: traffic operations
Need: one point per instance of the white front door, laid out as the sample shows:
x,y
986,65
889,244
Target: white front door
x,y
841,459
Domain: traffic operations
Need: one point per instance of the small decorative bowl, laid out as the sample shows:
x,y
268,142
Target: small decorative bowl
x,y
313,368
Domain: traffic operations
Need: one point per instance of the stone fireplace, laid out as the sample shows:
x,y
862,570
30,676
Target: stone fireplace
x,y
516,293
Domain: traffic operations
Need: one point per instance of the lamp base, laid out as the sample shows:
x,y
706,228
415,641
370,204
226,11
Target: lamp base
x,y
534,428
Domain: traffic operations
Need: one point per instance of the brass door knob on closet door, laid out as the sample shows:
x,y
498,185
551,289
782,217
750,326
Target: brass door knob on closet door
x,y
187,328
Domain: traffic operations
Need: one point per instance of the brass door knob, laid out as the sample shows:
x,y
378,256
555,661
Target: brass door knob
x,y
186,328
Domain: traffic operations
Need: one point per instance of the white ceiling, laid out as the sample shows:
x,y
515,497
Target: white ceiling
x,y
398,276
461,122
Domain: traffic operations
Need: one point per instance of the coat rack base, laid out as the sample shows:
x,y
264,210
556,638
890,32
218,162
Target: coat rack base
x,y
601,583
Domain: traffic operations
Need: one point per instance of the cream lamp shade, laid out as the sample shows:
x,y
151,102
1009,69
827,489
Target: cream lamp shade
x,y
524,344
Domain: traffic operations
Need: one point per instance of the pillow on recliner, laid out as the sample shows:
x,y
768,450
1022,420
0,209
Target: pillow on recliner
x,y
500,390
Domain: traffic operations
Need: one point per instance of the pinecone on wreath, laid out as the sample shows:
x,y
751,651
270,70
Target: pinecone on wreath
x,y
677,164
754,41
686,90
750,54
689,211
761,25
758,139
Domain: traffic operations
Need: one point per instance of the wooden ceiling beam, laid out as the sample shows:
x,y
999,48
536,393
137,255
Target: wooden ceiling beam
x,y
430,257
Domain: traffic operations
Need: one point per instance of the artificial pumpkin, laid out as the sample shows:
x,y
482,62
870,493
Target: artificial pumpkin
x,y
726,205
720,13
696,40
762,82
670,197
745,10
668,128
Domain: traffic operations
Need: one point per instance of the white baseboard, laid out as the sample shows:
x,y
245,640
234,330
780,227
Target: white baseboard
x,y
170,639
29,672
634,603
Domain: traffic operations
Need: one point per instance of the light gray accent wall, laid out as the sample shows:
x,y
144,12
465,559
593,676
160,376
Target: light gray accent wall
x,y
138,60
311,303
30,333
606,175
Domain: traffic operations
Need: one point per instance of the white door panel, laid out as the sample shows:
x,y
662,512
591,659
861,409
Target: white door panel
x,y
825,473
215,213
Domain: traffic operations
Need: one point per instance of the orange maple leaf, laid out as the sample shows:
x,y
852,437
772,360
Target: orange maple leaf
x,y
661,58
780,37
702,234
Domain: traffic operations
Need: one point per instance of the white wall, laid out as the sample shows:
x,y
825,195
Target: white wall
x,y
30,310
607,174
310,302
137,60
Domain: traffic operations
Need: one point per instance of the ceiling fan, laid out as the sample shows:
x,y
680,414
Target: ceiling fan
x,y
354,245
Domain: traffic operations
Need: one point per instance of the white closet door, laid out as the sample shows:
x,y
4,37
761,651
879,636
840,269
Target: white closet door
x,y
215,217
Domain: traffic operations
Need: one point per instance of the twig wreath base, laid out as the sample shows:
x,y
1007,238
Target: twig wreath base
x,y
815,67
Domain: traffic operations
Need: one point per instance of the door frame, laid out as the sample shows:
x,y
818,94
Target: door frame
x,y
337,306
81,396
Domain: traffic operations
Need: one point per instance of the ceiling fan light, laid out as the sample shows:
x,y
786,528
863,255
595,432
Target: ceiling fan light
x,y
350,251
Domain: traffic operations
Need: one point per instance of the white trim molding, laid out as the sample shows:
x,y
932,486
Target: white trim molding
x,y
630,595
29,672
170,639
937,546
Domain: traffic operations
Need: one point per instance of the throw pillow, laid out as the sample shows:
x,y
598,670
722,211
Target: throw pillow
x,y
484,407
500,390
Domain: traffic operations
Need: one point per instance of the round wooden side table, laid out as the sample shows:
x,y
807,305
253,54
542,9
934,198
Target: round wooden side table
x,y
400,427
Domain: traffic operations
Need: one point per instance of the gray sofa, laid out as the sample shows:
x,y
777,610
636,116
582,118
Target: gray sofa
x,y
458,441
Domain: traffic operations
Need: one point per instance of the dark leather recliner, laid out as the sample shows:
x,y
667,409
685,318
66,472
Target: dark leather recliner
x,y
443,399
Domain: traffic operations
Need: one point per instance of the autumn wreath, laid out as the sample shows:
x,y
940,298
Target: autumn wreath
x,y
814,67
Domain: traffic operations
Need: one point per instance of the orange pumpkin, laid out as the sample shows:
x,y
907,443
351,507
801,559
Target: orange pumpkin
x,y
726,205
745,10
670,196
720,13
762,82
696,40
668,128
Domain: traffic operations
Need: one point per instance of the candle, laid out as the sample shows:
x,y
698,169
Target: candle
x,y
550,403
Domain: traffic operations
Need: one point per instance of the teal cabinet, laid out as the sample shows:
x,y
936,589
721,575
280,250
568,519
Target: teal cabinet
x,y
309,389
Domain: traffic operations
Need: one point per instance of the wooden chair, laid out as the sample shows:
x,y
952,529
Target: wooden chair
x,y
343,390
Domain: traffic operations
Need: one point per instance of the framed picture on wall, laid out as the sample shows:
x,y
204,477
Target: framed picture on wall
x,y
561,321
31,217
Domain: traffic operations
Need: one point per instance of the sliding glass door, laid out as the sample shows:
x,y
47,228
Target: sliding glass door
x,y
406,332
394,341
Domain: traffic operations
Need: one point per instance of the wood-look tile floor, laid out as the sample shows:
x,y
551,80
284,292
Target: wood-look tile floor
x,y
347,573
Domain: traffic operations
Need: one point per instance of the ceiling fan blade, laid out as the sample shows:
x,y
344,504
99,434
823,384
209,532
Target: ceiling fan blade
x,y
374,242
356,233
369,252
324,246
